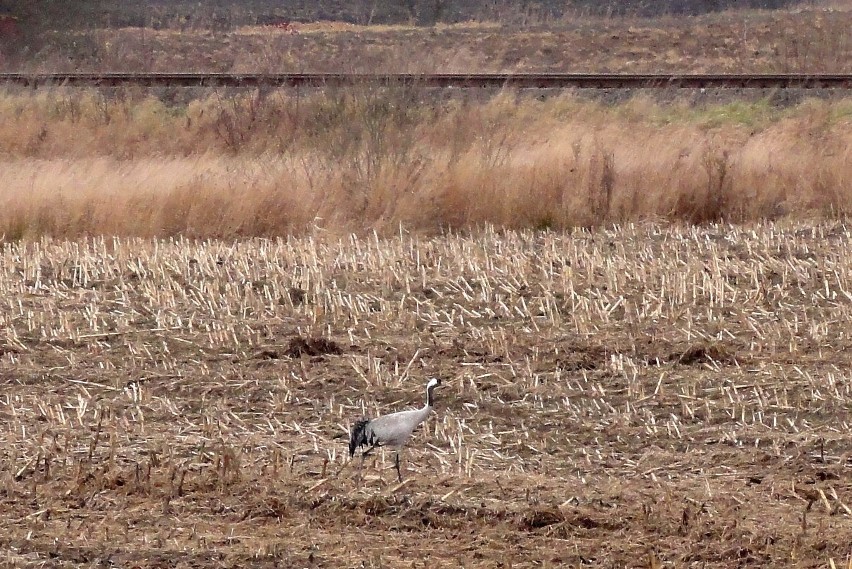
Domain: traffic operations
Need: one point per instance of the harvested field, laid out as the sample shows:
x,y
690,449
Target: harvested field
x,y
642,397
808,40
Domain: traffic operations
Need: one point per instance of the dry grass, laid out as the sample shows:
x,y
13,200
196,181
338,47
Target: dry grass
x,y
648,396
272,164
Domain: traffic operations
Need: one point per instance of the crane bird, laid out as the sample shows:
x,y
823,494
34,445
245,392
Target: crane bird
x,y
391,430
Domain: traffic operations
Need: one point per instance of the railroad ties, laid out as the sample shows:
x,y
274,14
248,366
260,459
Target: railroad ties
x,y
445,80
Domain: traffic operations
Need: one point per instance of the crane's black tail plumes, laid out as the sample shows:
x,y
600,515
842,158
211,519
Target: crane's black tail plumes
x,y
358,436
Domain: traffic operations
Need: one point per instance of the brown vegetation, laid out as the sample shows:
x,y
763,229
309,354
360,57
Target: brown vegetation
x,y
264,164
647,397
813,40
225,15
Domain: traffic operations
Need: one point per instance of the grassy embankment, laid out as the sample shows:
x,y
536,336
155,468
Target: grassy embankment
x,y
78,164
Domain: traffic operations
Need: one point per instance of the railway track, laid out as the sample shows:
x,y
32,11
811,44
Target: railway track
x,y
447,80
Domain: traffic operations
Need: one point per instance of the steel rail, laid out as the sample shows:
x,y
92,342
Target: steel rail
x,y
442,80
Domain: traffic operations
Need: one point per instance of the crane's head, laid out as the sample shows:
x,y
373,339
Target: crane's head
x,y
430,387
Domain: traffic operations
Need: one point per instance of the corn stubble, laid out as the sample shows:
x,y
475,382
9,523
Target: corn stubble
x,y
658,395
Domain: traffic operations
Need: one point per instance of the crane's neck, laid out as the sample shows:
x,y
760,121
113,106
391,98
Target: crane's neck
x,y
430,400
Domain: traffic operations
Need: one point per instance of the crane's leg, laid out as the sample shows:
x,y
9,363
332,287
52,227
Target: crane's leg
x,y
398,471
361,465
361,470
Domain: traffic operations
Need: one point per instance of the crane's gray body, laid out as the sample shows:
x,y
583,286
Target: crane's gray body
x,y
391,430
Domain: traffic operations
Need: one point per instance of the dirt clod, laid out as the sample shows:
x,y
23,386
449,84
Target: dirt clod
x,y
297,296
541,517
696,355
312,347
